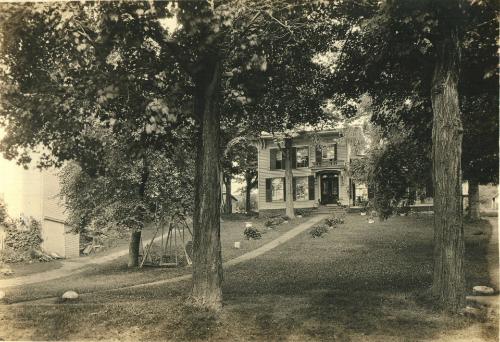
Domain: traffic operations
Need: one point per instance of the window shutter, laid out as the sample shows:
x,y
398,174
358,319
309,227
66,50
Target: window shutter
x,y
318,156
311,187
269,190
284,189
294,157
272,159
294,188
335,152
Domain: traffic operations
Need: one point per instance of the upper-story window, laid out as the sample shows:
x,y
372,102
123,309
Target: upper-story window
x,y
302,156
276,159
299,158
329,152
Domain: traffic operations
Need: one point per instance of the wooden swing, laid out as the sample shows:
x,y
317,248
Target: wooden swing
x,y
169,247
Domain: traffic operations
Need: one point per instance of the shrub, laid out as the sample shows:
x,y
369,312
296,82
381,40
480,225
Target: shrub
x,y
252,233
22,241
334,220
403,210
304,212
3,212
274,221
318,231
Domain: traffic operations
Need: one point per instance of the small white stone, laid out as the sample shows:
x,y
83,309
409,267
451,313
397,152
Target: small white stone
x,y
363,214
237,244
248,224
483,290
70,295
371,221
2,294
299,216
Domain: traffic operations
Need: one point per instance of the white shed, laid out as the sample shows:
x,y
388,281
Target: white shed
x,y
35,193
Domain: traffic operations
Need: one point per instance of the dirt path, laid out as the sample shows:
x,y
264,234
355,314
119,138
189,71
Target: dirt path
x,y
75,267
69,267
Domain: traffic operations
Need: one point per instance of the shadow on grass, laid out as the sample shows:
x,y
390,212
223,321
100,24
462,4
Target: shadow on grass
x,y
309,291
360,282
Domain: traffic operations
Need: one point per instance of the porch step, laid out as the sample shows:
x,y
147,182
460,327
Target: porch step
x,y
330,209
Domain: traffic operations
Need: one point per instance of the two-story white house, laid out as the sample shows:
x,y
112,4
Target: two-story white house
x,y
320,163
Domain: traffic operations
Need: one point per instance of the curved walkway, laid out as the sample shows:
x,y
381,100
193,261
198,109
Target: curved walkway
x,y
70,268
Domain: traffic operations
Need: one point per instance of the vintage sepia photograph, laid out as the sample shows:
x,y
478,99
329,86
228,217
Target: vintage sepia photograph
x,y
249,170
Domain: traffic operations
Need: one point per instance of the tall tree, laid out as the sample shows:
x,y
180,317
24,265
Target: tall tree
x,y
412,52
78,71
243,157
71,65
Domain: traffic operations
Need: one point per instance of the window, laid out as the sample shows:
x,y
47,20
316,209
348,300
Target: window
x,y
329,152
277,189
279,160
301,188
302,156
276,161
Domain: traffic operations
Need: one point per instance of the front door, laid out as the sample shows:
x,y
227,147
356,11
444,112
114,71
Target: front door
x,y
329,188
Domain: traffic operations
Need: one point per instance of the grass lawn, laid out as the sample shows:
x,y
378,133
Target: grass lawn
x,y
116,274
21,269
359,282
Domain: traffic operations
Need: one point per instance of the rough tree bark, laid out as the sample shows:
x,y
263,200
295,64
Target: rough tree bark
x,y
135,236
207,260
250,184
448,280
474,213
289,211
133,248
229,199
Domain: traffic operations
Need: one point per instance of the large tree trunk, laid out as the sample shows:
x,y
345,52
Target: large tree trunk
x,y
135,236
229,198
289,179
133,248
449,280
474,213
248,191
207,260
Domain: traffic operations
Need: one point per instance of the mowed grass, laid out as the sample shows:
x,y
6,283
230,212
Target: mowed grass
x,y
116,274
360,282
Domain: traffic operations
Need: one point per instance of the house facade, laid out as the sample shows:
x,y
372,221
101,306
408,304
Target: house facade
x,y
35,193
320,162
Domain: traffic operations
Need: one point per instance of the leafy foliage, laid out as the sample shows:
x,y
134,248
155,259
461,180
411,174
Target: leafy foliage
x,y
23,240
113,201
318,230
252,233
3,211
334,221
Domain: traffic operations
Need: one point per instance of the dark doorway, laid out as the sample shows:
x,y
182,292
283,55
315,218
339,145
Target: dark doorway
x,y
329,188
